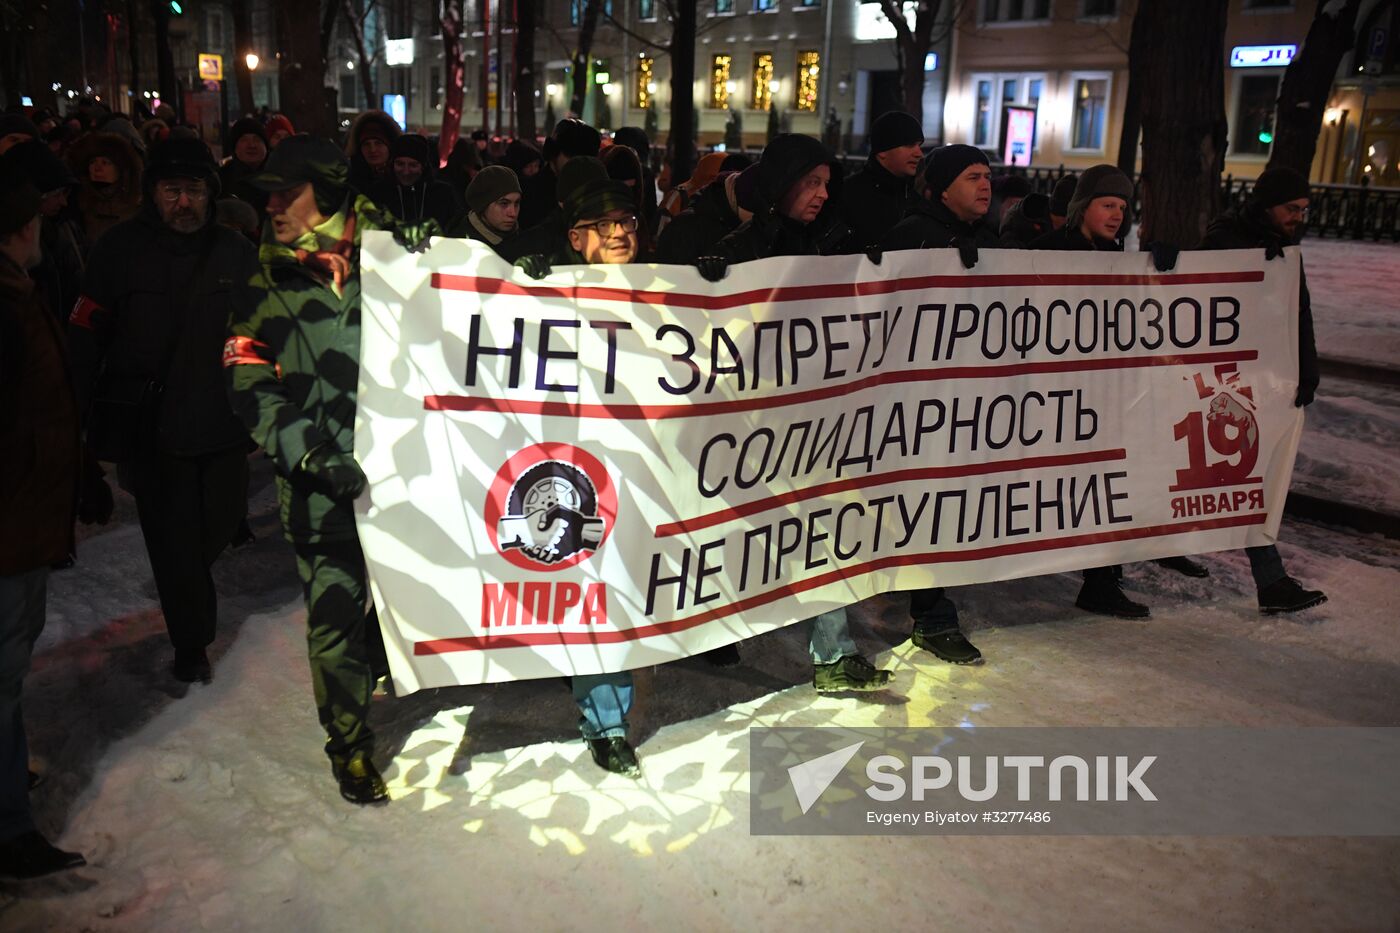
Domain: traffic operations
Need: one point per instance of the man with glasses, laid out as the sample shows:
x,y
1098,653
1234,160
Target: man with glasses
x,y
1273,217
147,337
602,230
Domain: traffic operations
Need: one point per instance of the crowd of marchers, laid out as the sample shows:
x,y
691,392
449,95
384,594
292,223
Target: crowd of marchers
x,y
164,316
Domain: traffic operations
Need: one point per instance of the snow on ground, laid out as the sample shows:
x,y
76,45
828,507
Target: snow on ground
x,y
1350,438
1355,291
212,808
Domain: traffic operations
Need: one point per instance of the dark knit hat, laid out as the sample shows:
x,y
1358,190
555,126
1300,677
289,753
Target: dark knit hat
x,y
17,123
895,129
245,127
1099,181
520,154
1277,186
577,172
946,163
19,203
480,134
372,129
573,138
746,189
181,158
490,185
1011,186
412,146
279,121
36,161
634,138
734,162
593,199
1063,194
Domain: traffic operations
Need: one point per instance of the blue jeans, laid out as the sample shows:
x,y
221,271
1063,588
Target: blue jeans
x,y
831,640
22,603
932,611
604,700
1266,565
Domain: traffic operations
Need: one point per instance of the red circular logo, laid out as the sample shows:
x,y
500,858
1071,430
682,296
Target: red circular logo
x,y
550,507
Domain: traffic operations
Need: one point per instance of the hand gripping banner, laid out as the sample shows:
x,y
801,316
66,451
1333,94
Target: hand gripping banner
x,y
617,466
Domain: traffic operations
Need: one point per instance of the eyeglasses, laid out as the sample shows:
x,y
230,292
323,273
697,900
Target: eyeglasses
x,y
605,227
1294,210
171,195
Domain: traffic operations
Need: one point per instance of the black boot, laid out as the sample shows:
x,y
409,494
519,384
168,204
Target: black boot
x,y
951,646
723,656
191,665
1287,595
852,673
1184,566
359,779
615,754
1102,595
243,536
30,855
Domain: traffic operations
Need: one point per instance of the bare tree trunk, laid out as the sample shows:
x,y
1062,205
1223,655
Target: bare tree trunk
x,y
525,69
1132,99
1306,84
133,51
454,90
681,139
301,74
366,61
165,61
1183,118
911,47
242,45
586,29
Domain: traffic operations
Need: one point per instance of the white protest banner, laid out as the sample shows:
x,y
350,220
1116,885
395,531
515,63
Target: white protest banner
x,y
617,466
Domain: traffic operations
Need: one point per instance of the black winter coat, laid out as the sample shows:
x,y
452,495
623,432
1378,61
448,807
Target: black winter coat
x,y
430,198
933,226
156,306
768,233
235,181
697,230
873,201
546,238
1245,228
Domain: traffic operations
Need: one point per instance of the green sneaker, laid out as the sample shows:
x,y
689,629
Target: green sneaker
x,y
851,673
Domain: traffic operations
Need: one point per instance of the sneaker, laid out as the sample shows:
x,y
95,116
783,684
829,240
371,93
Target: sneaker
x,y
191,665
615,754
1287,595
951,646
359,779
723,656
30,855
1184,566
852,672
1106,598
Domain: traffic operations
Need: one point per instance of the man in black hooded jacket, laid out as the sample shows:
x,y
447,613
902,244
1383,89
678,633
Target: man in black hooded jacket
x,y
148,332
411,190
880,194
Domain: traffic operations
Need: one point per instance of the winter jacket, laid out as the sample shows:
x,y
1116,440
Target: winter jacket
x,y
99,208
699,228
932,225
769,233
155,307
235,181
1028,220
547,237
430,198
292,366
1249,228
38,430
60,274
473,227
539,197
873,201
362,176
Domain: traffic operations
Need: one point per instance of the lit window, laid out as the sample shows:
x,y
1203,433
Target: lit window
x,y
1090,113
1014,11
646,9
982,135
763,6
808,71
1252,130
645,82
762,97
724,7
719,81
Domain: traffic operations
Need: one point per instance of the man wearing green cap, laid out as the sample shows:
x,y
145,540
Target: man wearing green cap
x,y
493,207
602,230
292,365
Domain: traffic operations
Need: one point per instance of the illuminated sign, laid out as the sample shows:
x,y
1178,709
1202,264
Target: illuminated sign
x,y
398,51
1019,135
931,61
1262,56
872,25
211,66
395,106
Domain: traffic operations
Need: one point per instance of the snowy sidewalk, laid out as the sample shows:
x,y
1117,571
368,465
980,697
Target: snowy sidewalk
x,y
1355,291
214,809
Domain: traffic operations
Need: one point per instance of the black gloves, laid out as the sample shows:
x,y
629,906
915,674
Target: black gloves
x,y
536,267
94,495
967,251
334,473
1305,396
414,237
712,268
1164,256
874,254
1273,251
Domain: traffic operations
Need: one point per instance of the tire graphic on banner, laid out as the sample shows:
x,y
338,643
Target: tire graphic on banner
x,y
545,511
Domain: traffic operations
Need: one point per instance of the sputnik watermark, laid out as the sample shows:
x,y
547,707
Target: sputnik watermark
x,y
1075,781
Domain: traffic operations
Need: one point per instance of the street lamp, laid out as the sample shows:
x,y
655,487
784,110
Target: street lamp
x,y
251,59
